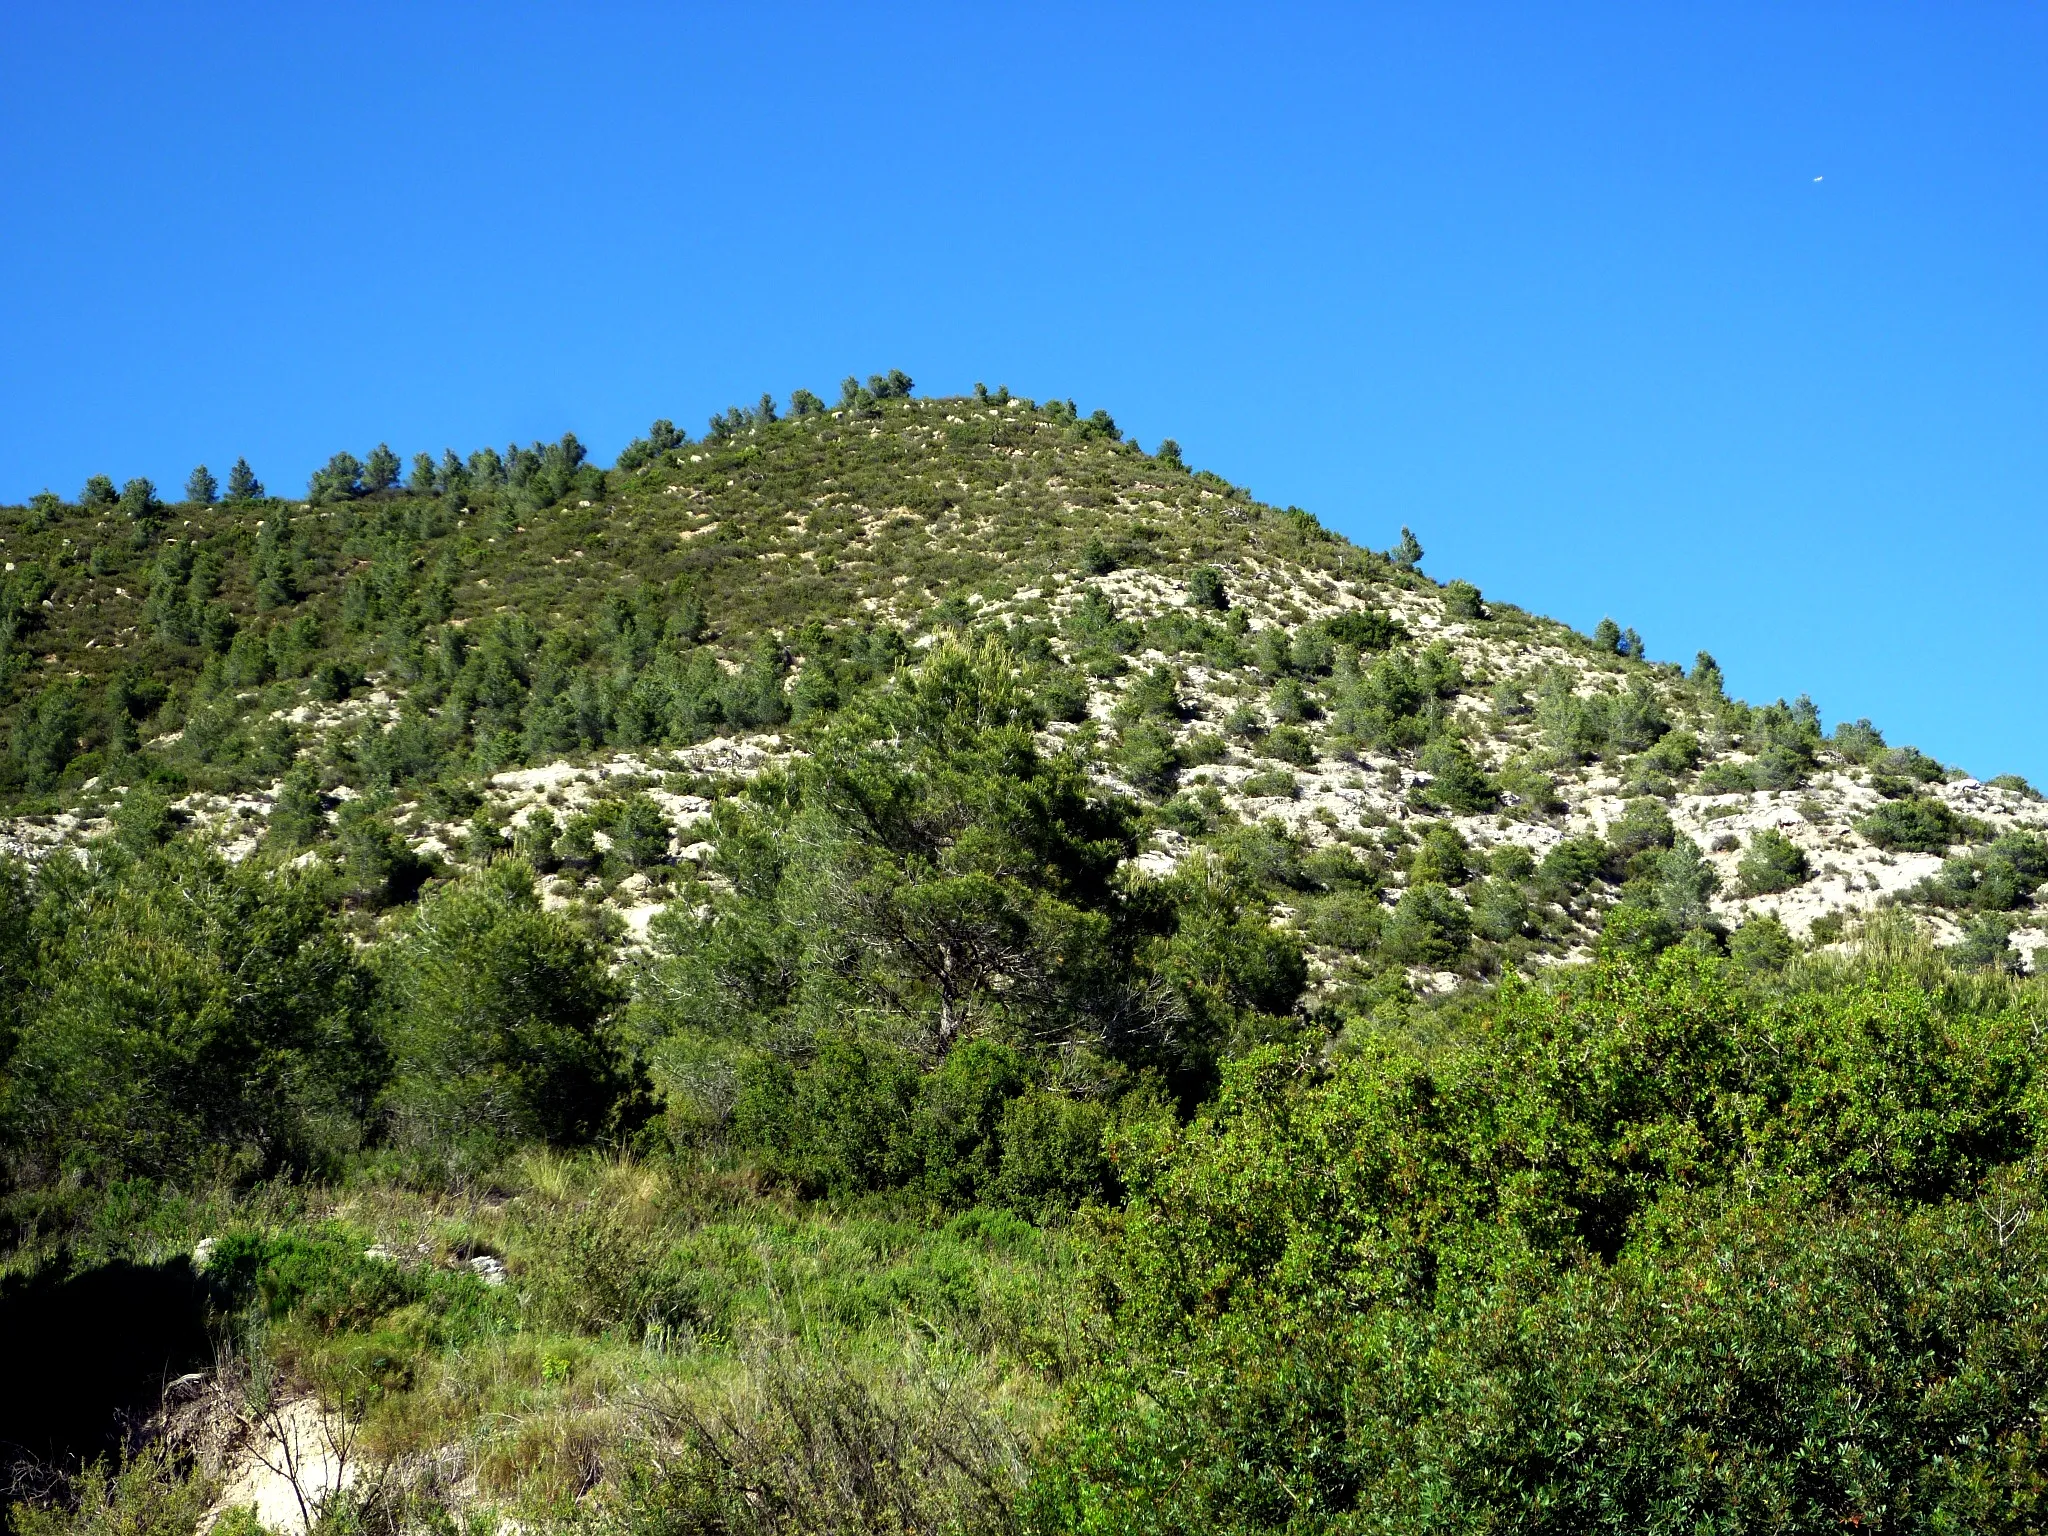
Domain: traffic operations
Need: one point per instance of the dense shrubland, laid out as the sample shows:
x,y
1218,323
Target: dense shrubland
x,y
1034,1108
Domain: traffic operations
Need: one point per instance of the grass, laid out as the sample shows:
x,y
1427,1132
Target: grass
x,y
657,1322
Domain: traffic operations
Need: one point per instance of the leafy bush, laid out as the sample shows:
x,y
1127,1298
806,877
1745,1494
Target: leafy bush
x,y
1773,862
1270,783
1919,824
1206,590
1429,927
189,1015
1657,1279
501,1023
1457,782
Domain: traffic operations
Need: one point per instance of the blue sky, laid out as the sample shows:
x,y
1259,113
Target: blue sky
x,y
1731,322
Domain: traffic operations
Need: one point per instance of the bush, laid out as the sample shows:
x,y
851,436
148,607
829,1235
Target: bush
x,y
1206,590
1918,824
1290,744
1763,943
1457,782
1462,601
1270,784
192,1015
1773,863
501,1023
1429,927
1563,1277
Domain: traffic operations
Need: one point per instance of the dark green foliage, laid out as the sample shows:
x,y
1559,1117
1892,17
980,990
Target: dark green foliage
x,y
639,833
380,469
298,819
1406,555
1457,782
378,869
340,479
1986,945
45,736
1607,637
243,484
1206,590
1772,862
146,819
201,487
1462,601
189,1016
1762,943
500,1023
99,492
1430,927
1918,824
141,503
2001,877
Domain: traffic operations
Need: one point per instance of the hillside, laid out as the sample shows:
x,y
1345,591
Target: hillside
x,y
915,967
443,647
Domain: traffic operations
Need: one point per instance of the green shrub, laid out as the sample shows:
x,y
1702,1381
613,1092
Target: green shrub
x,y
1773,862
1429,927
1291,744
1762,944
188,1015
1270,783
1725,778
1457,782
501,1022
1206,590
1920,824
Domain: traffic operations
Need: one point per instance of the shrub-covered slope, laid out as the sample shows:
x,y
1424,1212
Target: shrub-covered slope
x,y
439,645
919,968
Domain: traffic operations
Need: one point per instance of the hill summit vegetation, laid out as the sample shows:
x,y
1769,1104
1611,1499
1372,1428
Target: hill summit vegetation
x,y
909,965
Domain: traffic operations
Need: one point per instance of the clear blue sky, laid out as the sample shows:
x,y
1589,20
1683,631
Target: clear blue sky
x,y
1727,321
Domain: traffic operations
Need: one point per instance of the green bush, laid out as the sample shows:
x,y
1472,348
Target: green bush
x,y
1919,824
1569,1276
1206,590
500,1023
1270,783
1773,862
186,1016
1457,782
1429,927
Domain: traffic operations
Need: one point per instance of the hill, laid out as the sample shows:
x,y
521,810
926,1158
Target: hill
x,y
433,645
914,966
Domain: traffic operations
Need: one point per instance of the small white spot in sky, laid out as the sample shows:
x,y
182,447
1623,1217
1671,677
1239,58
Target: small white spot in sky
x,y
1817,178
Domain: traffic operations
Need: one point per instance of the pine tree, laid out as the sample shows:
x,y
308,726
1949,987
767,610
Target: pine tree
x,y
380,469
99,492
1607,637
201,487
421,481
243,484
1169,453
1408,553
140,500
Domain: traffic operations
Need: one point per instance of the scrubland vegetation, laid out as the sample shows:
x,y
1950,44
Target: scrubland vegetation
x,y
910,966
